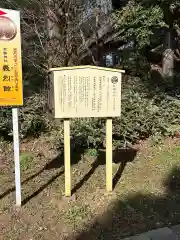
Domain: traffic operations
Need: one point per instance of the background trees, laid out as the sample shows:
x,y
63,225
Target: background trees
x,y
153,26
144,35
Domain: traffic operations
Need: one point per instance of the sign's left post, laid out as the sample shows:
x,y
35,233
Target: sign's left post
x,y
11,87
16,155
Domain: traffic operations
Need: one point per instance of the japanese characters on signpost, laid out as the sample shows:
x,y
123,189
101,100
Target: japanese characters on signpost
x,y
11,89
86,91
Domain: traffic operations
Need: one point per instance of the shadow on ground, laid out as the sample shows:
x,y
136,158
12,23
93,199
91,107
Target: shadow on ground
x,y
138,213
54,164
123,156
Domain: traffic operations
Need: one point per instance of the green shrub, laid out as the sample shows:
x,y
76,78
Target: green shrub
x,y
5,122
85,133
33,118
88,132
143,117
145,114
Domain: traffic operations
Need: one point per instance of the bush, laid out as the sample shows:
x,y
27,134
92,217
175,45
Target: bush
x,y
5,123
32,118
143,115
85,133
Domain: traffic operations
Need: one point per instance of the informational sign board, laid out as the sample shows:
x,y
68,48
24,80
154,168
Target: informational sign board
x,y
86,91
11,90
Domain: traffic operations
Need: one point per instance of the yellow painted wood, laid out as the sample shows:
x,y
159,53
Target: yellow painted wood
x,y
109,180
85,67
67,158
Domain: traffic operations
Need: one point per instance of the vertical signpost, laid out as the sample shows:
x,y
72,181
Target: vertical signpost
x,y
11,89
81,92
67,157
109,180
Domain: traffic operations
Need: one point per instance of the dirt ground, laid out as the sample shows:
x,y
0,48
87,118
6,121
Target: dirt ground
x,y
146,192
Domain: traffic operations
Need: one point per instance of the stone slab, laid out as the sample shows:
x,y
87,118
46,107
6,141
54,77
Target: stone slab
x,y
158,234
176,230
171,236
138,237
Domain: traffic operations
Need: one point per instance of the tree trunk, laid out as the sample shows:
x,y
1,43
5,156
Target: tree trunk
x,y
51,34
168,55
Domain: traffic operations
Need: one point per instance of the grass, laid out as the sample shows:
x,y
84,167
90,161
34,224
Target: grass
x,y
77,213
146,196
92,152
26,159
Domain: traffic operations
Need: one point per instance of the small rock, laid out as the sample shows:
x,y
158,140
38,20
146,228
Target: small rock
x,y
158,224
177,134
71,198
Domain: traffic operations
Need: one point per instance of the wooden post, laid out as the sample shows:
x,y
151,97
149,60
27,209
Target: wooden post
x,y
67,158
109,180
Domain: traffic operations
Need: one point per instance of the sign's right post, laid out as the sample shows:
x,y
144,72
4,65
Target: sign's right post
x,y
109,159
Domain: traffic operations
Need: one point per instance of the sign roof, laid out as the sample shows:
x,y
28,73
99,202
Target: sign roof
x,y
86,67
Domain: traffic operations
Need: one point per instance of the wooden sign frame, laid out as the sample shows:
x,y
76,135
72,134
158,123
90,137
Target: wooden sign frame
x,y
67,157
